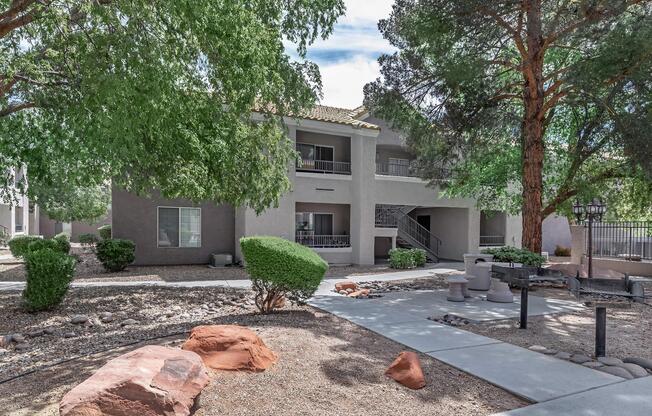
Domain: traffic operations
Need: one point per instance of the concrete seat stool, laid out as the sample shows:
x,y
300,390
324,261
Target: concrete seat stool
x,y
457,289
481,273
499,292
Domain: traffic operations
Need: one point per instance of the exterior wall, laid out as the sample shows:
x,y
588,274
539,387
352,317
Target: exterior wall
x,y
387,136
135,218
77,228
363,210
6,214
382,245
452,226
341,144
632,268
341,215
383,153
513,230
556,231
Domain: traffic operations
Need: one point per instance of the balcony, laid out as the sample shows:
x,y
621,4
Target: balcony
x,y
492,240
324,166
396,169
323,241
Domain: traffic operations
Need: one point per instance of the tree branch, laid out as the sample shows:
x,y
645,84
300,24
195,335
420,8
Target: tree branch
x,y
14,108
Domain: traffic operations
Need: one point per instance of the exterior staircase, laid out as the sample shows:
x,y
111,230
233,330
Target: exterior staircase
x,y
410,233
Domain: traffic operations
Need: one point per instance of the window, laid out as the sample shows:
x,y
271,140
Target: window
x,y
179,227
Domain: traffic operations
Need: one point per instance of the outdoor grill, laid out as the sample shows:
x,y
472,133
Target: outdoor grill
x,y
601,294
523,277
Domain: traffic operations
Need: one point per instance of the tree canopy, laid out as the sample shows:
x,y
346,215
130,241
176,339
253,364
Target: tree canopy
x,y
157,94
531,103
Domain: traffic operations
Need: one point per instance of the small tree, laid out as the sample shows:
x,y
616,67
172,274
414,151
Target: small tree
x,y
280,269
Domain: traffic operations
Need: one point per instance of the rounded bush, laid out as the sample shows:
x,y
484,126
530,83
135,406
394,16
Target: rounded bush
x,y
89,239
49,273
280,268
19,246
561,251
105,232
419,256
402,258
63,240
115,254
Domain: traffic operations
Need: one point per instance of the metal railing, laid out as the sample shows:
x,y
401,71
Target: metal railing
x,y
622,239
396,169
324,166
408,229
323,241
492,240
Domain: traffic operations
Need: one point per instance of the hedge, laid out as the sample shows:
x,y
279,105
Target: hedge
x,y
404,258
49,273
19,246
281,268
105,232
515,255
115,254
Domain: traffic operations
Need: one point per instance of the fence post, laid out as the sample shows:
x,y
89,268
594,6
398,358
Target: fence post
x,y
578,243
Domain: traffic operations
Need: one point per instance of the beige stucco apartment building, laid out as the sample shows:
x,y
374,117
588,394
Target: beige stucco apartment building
x,y
354,197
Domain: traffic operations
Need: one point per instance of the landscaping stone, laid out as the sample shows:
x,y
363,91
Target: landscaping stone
x,y
49,331
3,351
563,355
616,371
636,370
151,380
106,317
5,340
550,351
69,335
643,362
359,293
22,346
79,319
346,285
129,322
406,370
610,361
18,338
593,364
538,348
580,358
343,292
230,347
35,334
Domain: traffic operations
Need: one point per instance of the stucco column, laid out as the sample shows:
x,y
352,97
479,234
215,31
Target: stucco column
x,y
578,243
473,231
393,242
363,169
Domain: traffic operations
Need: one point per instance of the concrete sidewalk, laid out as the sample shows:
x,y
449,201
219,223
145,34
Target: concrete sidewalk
x,y
402,317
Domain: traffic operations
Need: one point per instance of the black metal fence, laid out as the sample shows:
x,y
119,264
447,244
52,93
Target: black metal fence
x,y
622,239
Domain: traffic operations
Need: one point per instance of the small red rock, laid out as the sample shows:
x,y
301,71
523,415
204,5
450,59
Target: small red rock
x,y
358,293
406,370
230,347
346,285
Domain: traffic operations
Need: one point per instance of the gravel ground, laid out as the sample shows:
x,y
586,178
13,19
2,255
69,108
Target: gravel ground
x,y
89,269
327,366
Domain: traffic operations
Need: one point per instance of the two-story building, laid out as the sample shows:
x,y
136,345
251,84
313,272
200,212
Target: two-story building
x,y
18,216
354,196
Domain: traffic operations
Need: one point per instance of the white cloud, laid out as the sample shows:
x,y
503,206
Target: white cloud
x,y
343,81
359,11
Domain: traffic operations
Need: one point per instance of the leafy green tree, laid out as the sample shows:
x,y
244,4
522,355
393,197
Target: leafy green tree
x,y
65,203
531,103
157,94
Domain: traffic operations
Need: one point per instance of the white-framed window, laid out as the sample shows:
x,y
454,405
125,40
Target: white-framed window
x,y
179,227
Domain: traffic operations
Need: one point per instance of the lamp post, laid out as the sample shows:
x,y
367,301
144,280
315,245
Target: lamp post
x,y
592,211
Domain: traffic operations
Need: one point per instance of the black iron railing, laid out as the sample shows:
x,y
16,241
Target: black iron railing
x,y
492,240
628,240
324,166
408,229
323,241
396,169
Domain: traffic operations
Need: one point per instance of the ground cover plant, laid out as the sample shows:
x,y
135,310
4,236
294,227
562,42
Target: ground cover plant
x,y
281,269
404,258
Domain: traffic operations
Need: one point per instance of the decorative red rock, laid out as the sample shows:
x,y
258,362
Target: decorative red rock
x,y
358,293
149,381
406,370
346,285
230,347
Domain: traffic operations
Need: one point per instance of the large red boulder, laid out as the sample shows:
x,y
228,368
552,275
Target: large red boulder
x,y
347,284
149,381
230,347
406,370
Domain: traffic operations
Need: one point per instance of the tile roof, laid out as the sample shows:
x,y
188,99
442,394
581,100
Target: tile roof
x,y
339,115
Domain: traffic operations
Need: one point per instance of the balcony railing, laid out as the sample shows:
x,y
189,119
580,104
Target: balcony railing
x,y
324,241
324,166
396,169
492,240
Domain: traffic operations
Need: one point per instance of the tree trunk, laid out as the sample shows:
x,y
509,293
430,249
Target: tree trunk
x,y
532,131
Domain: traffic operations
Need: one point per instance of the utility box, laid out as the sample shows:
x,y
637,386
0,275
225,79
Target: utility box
x,y
220,260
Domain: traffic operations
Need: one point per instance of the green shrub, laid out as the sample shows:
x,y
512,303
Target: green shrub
x,y
64,242
19,246
115,254
41,244
4,237
105,232
561,251
49,273
281,269
419,256
401,258
89,239
515,255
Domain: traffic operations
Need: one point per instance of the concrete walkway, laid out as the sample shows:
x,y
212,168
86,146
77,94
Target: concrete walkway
x,y
550,382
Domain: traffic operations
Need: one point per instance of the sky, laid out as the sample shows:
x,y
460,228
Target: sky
x,y
348,58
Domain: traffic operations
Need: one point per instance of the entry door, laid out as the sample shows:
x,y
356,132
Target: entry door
x,y
323,224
